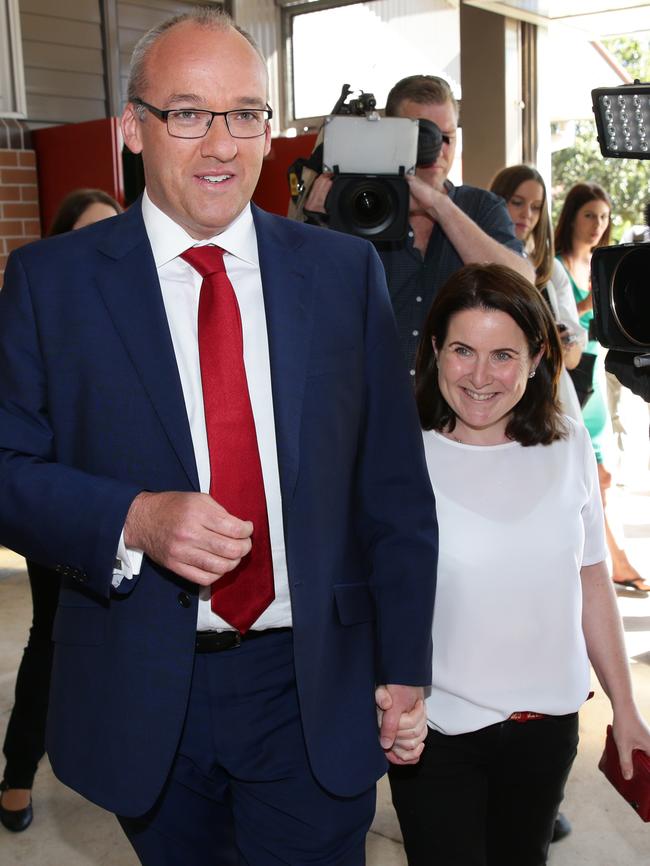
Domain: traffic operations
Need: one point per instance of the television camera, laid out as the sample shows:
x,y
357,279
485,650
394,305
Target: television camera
x,y
619,274
368,157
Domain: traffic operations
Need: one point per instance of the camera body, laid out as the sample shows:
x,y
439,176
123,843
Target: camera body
x,y
621,295
369,157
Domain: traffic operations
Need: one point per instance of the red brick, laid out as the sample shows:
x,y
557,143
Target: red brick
x,y
11,193
28,193
17,175
22,210
8,157
12,229
32,227
26,158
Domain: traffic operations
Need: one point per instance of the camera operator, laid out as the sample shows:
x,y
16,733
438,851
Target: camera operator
x,y
449,226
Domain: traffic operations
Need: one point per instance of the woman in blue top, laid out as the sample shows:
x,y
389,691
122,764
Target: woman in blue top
x,y
584,224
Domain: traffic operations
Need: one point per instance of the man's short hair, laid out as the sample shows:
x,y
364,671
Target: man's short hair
x,y
212,17
424,89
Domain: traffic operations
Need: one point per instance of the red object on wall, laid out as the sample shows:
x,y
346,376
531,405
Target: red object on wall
x,y
77,155
272,191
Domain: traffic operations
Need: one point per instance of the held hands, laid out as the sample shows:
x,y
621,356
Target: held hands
x,y
403,723
630,732
189,533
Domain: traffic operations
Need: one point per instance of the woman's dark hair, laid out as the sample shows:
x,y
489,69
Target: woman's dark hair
x,y
74,204
576,197
506,183
536,418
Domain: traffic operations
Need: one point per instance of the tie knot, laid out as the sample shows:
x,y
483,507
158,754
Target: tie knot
x,y
206,259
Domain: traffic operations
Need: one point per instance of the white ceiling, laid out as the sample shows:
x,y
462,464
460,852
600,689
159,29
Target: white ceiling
x,y
596,18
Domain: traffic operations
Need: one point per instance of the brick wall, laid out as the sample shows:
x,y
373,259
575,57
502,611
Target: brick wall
x,y
19,212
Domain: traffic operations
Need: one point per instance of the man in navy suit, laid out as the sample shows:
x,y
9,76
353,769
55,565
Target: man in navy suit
x,y
217,745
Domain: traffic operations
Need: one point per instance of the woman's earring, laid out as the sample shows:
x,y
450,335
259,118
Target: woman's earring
x,y
531,375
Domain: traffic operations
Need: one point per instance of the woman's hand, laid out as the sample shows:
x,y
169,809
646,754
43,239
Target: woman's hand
x,y
630,732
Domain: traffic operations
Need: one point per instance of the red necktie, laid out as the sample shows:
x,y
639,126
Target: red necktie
x,y
236,480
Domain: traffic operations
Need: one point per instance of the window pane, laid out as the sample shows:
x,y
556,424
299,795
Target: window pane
x,y
371,46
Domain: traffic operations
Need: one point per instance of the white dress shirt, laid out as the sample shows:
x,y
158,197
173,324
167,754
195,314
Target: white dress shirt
x,y
180,285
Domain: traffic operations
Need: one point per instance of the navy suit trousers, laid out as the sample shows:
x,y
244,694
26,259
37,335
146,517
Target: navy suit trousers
x,y
241,792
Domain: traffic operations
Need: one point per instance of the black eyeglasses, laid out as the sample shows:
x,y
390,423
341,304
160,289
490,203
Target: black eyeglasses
x,y
195,122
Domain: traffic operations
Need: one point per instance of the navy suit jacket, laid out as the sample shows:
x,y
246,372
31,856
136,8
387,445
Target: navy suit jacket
x,y
92,412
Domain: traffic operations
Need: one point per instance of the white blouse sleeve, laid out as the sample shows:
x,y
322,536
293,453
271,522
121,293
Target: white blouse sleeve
x,y
595,547
567,308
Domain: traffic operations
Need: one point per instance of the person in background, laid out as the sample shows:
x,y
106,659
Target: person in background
x,y
583,225
24,744
524,600
523,189
176,386
449,225
82,207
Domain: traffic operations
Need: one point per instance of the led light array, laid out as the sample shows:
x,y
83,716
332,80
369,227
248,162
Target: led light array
x,y
627,121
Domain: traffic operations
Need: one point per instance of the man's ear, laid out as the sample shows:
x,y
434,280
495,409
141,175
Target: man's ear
x,y
267,140
131,130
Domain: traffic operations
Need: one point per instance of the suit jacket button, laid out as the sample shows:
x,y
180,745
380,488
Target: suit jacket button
x,y
184,599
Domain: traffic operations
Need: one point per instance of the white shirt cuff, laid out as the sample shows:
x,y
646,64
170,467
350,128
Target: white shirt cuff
x,y
127,563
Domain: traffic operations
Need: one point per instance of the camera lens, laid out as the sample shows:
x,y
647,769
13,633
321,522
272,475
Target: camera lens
x,y
370,207
630,295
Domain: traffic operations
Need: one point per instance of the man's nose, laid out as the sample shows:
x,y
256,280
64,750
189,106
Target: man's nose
x,y
218,142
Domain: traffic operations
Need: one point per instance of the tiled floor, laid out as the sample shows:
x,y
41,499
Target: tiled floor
x,y
68,831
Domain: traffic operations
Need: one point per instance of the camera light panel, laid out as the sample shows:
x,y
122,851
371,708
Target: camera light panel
x,y
623,120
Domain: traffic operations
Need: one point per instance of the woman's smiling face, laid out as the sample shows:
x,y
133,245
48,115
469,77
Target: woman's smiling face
x,y
483,369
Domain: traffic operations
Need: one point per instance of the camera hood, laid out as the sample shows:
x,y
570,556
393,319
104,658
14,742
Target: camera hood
x,y
370,145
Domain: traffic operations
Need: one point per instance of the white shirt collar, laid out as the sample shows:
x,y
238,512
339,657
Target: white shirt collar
x,y
168,239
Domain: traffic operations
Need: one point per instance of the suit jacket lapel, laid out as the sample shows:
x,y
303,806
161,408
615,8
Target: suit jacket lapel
x,y
129,284
287,280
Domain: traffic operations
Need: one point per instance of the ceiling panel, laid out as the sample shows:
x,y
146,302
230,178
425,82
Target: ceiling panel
x,y
591,16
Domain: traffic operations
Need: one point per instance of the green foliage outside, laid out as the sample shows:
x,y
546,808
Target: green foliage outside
x,y
627,181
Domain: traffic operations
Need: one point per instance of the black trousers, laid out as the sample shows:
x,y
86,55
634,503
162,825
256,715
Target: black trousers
x,y
487,798
24,744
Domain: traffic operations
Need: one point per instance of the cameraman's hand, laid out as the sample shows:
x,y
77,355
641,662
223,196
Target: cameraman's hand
x,y
425,198
318,193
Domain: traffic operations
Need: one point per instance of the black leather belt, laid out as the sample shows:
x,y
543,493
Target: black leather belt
x,y
217,641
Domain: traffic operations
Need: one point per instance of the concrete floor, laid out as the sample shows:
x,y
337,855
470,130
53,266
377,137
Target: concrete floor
x,y
67,831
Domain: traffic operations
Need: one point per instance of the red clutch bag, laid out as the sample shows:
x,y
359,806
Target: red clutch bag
x,y
635,790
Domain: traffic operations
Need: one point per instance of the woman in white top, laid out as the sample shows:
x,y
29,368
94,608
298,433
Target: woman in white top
x,y
524,191
524,600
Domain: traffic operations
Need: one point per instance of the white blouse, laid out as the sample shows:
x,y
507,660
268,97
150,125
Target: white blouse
x,y
516,526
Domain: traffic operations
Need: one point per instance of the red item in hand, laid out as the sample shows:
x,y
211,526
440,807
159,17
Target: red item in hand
x,y
635,790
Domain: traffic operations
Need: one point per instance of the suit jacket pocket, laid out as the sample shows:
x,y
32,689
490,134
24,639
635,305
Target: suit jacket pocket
x,y
85,626
354,603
